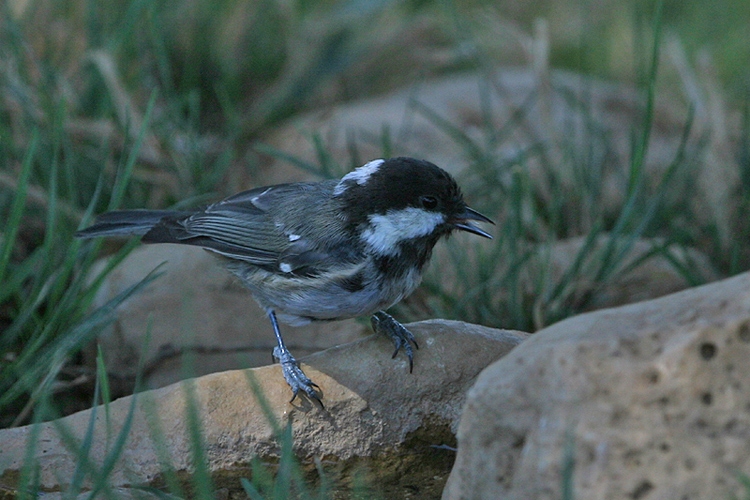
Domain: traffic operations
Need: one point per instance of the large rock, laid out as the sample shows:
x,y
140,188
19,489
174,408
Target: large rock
x,y
197,306
373,409
645,401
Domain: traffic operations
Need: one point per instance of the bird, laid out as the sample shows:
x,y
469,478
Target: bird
x,y
320,251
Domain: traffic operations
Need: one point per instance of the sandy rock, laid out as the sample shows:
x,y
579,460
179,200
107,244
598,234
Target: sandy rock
x,y
196,305
372,405
649,400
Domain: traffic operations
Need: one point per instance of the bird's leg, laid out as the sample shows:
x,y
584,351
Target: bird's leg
x,y
383,322
293,374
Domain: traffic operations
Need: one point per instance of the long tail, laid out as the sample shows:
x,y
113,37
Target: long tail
x,y
125,223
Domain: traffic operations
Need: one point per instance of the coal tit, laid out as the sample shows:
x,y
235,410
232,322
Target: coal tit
x,y
321,251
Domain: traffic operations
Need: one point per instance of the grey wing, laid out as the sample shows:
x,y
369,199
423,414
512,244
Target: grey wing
x,y
246,227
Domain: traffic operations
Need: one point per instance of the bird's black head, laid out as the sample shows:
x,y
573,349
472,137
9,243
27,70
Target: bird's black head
x,y
400,200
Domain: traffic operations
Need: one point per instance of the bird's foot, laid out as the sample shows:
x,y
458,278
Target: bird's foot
x,y
383,322
295,377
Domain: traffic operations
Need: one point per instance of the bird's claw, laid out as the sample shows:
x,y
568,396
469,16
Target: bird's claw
x,y
295,377
401,337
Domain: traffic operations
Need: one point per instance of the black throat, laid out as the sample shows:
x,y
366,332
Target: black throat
x,y
412,255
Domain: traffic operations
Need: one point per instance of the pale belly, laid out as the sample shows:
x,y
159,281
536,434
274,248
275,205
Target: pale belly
x,y
298,301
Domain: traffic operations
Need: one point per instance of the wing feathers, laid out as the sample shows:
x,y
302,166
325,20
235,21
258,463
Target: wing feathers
x,y
246,226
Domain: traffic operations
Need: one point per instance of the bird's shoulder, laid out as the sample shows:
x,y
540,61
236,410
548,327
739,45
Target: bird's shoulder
x,y
271,199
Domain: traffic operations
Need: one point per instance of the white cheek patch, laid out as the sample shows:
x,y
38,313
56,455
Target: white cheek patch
x,y
359,175
385,232
285,267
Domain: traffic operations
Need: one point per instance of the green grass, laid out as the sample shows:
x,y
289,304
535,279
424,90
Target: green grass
x,y
136,103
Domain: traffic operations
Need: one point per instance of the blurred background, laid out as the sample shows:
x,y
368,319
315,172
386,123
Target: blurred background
x,y
217,77
153,103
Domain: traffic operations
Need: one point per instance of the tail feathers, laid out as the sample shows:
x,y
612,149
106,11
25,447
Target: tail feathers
x,y
125,223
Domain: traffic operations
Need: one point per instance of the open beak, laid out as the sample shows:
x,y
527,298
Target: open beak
x,y
461,221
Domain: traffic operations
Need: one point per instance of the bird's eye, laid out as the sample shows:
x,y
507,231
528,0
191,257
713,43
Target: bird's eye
x,y
429,202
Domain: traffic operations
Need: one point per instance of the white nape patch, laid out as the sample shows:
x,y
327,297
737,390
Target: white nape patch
x,y
294,237
385,232
358,175
254,200
285,268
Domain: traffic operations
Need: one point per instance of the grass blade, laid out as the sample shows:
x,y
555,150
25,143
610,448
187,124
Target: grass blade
x,y
19,200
